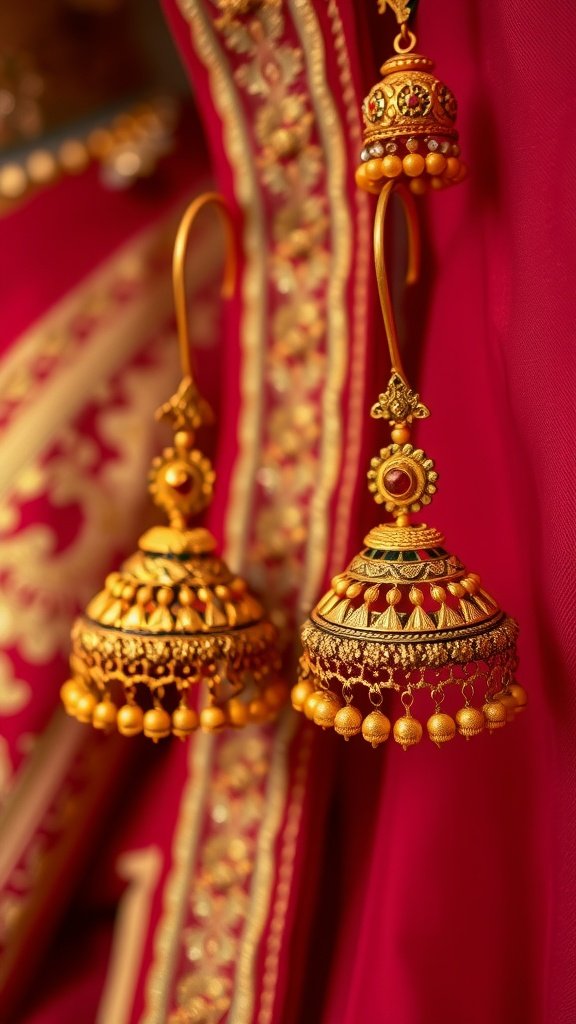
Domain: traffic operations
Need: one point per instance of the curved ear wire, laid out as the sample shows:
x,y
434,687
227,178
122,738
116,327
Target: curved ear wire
x,y
413,269
179,267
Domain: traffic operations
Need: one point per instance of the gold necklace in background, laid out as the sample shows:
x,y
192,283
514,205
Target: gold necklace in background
x,y
127,148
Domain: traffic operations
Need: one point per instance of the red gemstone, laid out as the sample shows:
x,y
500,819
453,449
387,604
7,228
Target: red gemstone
x,y
398,482
413,101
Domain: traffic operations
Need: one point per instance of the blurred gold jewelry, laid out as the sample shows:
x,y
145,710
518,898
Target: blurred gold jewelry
x,y
409,121
174,616
406,615
127,148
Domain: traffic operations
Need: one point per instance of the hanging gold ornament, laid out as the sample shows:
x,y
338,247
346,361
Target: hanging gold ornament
x,y
407,615
409,122
174,616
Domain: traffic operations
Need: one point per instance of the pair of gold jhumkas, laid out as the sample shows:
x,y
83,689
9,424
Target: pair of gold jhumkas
x,y
405,616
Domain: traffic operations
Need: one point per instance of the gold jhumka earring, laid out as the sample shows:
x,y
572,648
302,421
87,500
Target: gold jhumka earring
x,y
406,615
174,616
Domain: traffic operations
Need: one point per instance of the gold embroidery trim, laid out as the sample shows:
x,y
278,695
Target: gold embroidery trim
x,y
351,461
330,132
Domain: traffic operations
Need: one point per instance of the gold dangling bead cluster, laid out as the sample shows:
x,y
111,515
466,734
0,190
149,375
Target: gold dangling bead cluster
x,y
409,124
326,710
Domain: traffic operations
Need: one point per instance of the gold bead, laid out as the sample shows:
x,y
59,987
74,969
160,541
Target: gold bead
x,y
435,163
85,707
437,184
310,703
418,186
452,167
41,166
392,166
494,715
212,718
184,439
520,696
376,728
462,172
400,435
361,177
258,710
413,165
509,702
130,720
299,693
373,170
441,728
276,695
157,724
70,693
184,721
325,709
105,714
470,722
13,181
407,731
237,712
73,156
348,721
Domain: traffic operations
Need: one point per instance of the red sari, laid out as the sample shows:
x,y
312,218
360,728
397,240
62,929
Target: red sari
x,y
281,875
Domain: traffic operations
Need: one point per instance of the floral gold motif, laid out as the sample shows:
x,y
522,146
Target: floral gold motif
x,y
399,402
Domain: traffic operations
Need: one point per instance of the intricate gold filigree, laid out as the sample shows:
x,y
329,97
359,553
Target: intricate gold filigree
x,y
399,402
186,409
402,478
401,9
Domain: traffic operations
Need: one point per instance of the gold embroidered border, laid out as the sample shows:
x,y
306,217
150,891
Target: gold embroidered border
x,y
351,467
334,158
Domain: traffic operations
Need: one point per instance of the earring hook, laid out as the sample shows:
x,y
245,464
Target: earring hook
x,y
179,267
413,268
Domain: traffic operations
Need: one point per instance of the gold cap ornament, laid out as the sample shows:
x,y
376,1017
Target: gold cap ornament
x,y
409,121
406,615
174,616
